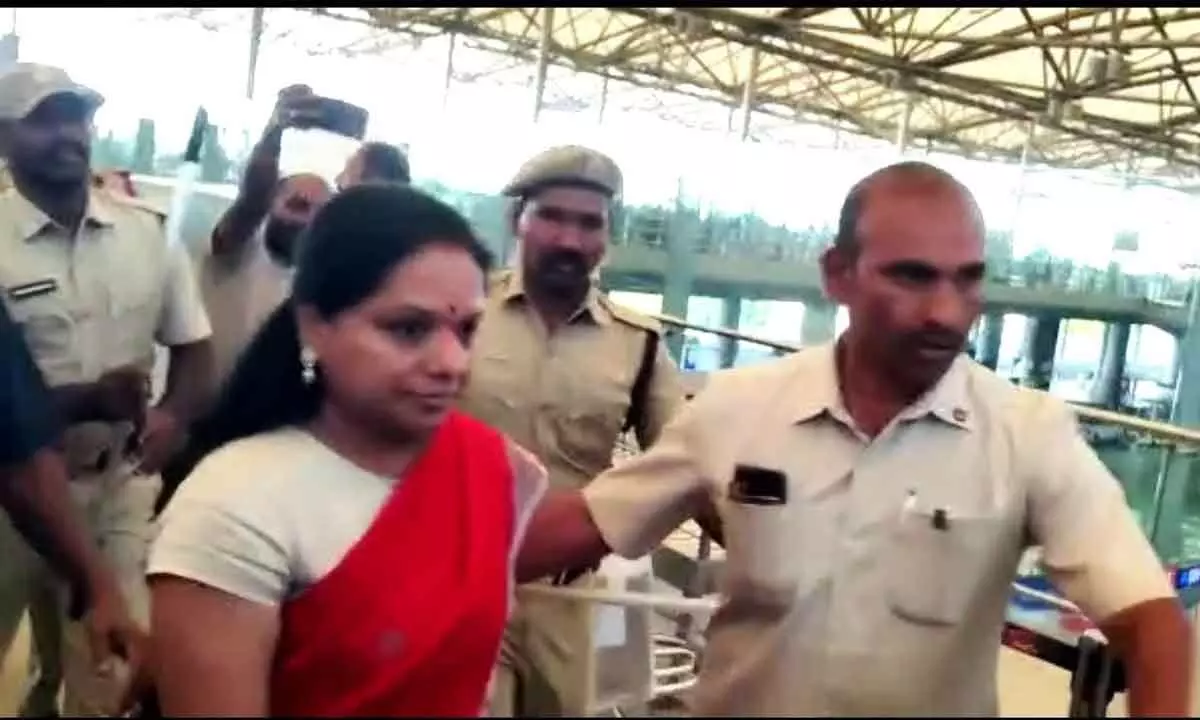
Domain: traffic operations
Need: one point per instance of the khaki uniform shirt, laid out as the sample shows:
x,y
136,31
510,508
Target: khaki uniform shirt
x,y
877,585
97,301
565,396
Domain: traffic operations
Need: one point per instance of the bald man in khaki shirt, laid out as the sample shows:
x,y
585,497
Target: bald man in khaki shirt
x,y
564,371
877,493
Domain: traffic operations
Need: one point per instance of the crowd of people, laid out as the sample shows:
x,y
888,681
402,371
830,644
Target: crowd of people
x,y
370,434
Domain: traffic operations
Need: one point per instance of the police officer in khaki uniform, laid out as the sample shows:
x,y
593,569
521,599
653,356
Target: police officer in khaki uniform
x,y
563,371
89,276
877,494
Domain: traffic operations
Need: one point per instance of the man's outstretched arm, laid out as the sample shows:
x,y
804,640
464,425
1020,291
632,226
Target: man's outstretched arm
x,y
628,510
1095,552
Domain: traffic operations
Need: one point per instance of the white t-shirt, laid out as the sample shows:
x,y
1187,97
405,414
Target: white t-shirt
x,y
266,517
240,292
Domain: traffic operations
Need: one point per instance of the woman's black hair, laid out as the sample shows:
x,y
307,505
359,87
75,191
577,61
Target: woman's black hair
x,y
381,161
347,251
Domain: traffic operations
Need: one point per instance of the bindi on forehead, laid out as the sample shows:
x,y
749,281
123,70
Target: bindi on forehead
x,y
458,312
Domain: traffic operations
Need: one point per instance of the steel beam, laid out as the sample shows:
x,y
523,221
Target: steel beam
x,y
748,92
903,127
543,61
448,79
256,33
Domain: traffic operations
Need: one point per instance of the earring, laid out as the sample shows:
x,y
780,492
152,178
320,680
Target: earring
x,y
308,365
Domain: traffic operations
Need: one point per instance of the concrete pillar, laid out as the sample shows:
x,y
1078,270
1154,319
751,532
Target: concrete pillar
x,y
1106,389
683,227
819,324
731,315
987,344
10,50
1041,345
1180,466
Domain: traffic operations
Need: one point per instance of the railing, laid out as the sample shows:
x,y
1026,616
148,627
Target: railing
x,y
1163,431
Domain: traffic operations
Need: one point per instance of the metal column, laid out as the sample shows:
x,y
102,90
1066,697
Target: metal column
x,y
747,107
256,32
448,80
1180,467
543,61
1106,389
10,45
603,100
905,123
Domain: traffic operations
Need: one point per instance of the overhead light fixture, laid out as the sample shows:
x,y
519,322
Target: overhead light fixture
x,y
1072,110
1108,68
1117,70
1097,70
691,26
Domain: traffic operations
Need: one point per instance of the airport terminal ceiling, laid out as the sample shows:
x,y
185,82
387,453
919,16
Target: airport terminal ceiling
x,y
1111,88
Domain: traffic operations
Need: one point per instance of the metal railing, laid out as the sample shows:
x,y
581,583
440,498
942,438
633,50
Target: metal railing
x,y
1159,430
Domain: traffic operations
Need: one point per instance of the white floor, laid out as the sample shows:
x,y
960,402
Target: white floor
x,y
1027,688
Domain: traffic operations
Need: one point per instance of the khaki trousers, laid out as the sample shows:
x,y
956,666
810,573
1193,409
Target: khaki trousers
x,y
540,669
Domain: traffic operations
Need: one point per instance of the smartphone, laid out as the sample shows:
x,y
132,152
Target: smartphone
x,y
341,118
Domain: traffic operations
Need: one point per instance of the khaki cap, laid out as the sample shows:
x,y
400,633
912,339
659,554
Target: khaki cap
x,y
567,165
27,85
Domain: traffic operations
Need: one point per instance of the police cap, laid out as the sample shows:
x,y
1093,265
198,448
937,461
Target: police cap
x,y
570,165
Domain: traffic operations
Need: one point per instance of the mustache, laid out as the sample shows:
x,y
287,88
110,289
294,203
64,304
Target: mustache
x,y
564,257
937,337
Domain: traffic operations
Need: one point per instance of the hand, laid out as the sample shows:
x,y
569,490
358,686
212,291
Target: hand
x,y
121,394
296,107
161,437
113,636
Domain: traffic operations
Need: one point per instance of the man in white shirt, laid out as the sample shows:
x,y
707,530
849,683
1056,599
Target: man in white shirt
x,y
248,272
249,268
876,495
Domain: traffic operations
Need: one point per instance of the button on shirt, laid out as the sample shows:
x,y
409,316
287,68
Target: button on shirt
x,y
878,584
565,396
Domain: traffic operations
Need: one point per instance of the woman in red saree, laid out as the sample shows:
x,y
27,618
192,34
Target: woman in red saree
x,y
345,546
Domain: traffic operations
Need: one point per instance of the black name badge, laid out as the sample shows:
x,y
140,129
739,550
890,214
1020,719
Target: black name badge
x,y
753,485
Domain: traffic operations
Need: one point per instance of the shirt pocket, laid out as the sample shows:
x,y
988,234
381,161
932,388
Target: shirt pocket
x,y
588,418
134,308
763,553
494,392
938,565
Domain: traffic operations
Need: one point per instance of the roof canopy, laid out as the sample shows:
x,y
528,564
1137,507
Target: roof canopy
x,y
1071,87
